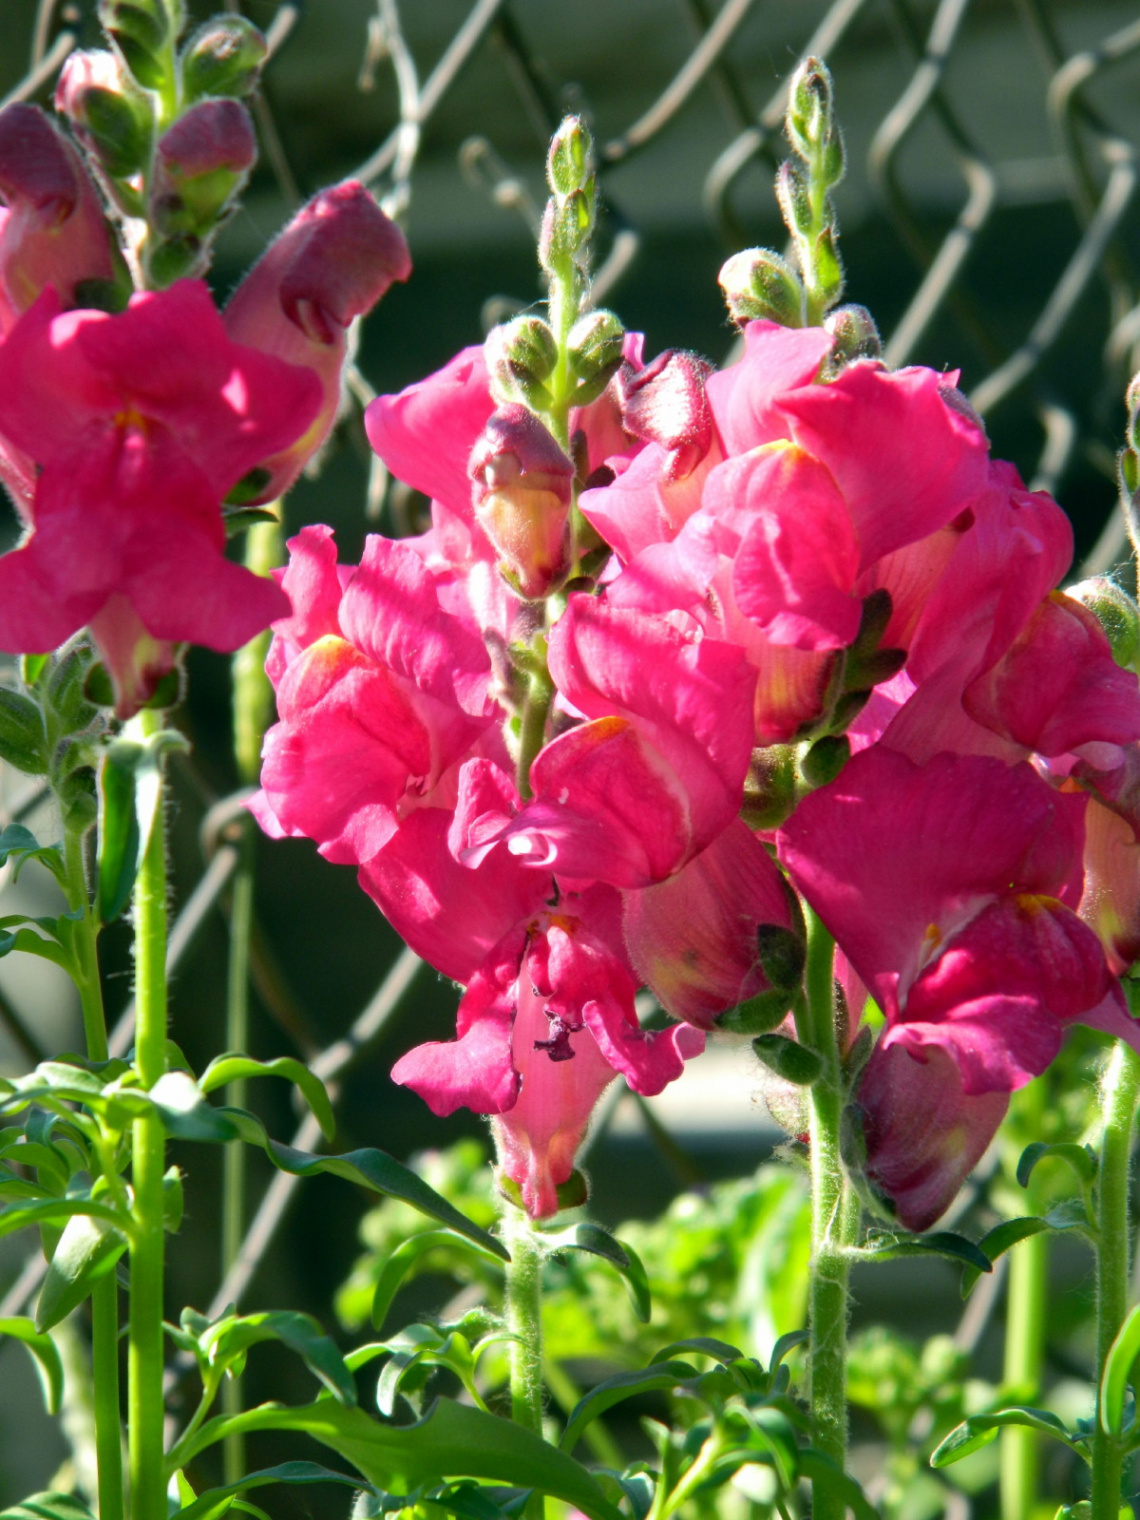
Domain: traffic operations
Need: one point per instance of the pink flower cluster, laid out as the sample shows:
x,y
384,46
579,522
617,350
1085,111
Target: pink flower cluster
x,y
123,431
787,554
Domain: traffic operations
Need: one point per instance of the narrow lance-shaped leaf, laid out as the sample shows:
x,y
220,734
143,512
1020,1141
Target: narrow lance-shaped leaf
x,y
47,1362
215,1501
598,1242
660,1377
980,1429
1117,1370
88,1249
228,1341
229,1068
405,1258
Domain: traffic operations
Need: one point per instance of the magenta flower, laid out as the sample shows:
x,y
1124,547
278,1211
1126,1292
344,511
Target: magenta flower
x,y
332,263
139,424
948,888
380,691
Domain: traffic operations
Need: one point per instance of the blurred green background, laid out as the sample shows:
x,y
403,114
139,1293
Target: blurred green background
x,y
982,99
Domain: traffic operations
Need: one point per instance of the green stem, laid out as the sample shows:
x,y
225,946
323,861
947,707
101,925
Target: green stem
x,y
835,1218
532,734
1120,1095
105,1295
1025,1337
524,1321
145,1359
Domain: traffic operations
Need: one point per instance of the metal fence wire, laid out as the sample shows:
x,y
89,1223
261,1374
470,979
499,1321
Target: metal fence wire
x,y
989,219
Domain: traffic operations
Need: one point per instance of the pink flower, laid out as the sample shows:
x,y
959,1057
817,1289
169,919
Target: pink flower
x,y
139,423
333,262
657,770
948,887
380,691
53,233
522,497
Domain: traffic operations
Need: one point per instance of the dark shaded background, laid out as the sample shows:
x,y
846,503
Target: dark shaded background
x,y
612,61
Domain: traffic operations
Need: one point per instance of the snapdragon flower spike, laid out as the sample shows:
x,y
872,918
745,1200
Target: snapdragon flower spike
x,y
139,424
380,690
333,262
657,771
53,234
521,494
948,886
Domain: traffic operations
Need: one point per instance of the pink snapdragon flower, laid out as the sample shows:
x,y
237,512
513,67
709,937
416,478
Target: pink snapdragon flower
x,y
139,424
381,691
333,262
951,888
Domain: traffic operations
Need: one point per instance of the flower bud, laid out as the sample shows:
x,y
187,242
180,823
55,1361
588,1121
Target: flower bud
x,y
759,284
333,262
665,403
566,228
794,195
522,498
770,787
52,228
568,164
112,118
595,344
223,57
519,356
1116,613
140,30
856,337
810,121
200,164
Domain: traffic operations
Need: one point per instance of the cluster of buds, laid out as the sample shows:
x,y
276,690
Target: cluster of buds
x,y
166,128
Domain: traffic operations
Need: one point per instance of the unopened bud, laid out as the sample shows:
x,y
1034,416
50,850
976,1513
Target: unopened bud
x,y
810,122
333,262
54,232
566,228
666,403
224,57
140,30
855,336
759,285
793,194
568,165
108,113
595,344
519,356
200,164
522,483
1116,613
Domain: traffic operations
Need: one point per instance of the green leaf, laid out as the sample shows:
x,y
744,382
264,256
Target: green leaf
x,y
940,1243
980,1429
48,1506
451,1441
707,1345
20,845
228,1340
215,1501
23,742
785,1345
828,1475
88,1249
1000,1239
42,1348
598,1242
788,1059
1082,1159
405,1258
660,1377
17,1216
1117,1367
229,1068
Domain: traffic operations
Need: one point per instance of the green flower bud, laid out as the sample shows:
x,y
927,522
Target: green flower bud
x,y
520,355
140,30
1116,613
224,57
595,343
112,117
566,228
568,164
810,122
793,194
759,284
855,334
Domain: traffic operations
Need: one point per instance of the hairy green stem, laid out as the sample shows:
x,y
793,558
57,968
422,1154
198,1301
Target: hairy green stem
x,y
105,1295
524,1321
252,710
1025,1337
1119,1099
532,735
835,1218
145,1359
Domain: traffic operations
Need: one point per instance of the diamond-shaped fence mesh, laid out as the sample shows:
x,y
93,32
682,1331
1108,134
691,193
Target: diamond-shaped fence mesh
x,y
989,219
